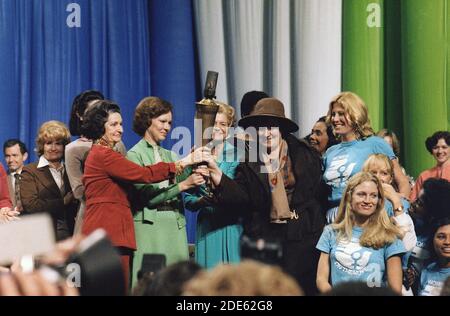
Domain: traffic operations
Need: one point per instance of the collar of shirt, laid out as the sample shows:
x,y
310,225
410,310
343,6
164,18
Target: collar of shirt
x,y
43,162
12,174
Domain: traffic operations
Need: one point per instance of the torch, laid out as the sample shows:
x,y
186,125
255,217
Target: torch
x,y
206,110
205,117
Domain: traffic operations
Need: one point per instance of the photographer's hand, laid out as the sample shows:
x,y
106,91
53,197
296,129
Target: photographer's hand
x,y
62,251
32,284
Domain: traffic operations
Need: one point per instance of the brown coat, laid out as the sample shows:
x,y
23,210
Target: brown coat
x,y
40,193
249,196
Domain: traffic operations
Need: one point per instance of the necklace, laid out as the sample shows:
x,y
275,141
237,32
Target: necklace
x,y
103,142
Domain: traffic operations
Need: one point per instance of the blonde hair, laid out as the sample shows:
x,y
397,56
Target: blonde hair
x,y
379,160
356,110
229,112
249,278
380,230
51,131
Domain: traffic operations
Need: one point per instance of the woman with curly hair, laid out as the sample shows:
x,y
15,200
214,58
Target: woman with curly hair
x,y
159,221
106,175
437,145
322,137
77,151
362,244
349,117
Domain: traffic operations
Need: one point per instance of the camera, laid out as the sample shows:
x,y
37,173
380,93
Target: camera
x,y
268,251
94,267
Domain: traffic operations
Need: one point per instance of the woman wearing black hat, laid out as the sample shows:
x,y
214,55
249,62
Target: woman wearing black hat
x,y
276,194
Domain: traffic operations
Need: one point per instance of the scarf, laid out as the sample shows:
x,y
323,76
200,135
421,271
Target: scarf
x,y
281,183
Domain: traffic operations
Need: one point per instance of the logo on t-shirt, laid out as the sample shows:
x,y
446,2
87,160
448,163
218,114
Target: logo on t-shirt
x,y
432,288
352,257
339,171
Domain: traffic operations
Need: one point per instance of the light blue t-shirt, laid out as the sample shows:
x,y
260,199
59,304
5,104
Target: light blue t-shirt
x,y
343,160
349,261
432,280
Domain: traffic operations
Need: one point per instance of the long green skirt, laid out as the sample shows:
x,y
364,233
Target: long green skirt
x,y
162,236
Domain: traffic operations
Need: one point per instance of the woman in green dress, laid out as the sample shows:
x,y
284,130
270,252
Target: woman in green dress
x,y
159,221
218,229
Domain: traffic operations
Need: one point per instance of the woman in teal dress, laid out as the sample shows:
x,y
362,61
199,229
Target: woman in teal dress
x,y
160,225
218,231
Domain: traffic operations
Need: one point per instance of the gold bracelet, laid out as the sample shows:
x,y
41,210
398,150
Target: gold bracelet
x,y
179,168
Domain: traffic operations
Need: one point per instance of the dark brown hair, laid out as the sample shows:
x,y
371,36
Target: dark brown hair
x,y
148,109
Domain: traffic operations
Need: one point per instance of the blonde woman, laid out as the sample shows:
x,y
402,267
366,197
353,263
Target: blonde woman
x,y
396,206
350,120
218,231
362,244
44,185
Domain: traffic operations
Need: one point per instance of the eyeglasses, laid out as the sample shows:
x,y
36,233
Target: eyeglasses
x,y
416,205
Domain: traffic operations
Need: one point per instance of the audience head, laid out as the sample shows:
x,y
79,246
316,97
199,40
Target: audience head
x,y
391,138
16,154
168,281
322,137
441,241
380,166
437,144
51,140
249,101
249,278
103,121
362,204
79,106
349,116
433,201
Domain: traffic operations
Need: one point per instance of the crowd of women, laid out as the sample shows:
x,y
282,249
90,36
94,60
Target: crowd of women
x,y
338,203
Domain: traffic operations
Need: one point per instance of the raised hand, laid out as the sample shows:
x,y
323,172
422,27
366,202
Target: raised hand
x,y
392,195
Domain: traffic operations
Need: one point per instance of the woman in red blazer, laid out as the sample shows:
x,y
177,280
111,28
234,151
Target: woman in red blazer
x,y
6,212
106,174
5,201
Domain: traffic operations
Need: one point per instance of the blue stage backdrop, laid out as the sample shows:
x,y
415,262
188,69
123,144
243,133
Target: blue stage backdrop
x,y
173,68
51,50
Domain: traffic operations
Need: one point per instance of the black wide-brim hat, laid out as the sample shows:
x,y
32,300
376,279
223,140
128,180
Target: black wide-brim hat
x,y
269,112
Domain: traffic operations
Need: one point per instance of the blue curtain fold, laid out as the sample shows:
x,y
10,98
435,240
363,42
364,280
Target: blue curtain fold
x,y
44,63
173,68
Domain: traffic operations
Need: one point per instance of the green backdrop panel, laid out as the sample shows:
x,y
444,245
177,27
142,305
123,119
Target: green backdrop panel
x,y
363,54
424,75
